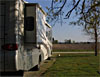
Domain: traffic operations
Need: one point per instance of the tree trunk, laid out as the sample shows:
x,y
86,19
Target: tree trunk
x,y
96,42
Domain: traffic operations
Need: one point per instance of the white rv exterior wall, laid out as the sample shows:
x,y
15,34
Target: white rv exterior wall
x,y
14,32
19,30
41,34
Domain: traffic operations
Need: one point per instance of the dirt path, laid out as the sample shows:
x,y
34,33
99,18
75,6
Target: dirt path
x,y
71,52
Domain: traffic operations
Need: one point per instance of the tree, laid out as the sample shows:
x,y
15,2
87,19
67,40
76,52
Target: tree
x,y
88,11
90,20
92,27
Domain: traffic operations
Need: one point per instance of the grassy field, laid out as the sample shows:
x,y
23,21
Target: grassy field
x,y
74,65
73,47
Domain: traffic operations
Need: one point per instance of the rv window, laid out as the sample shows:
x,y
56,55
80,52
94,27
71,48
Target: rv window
x,y
49,34
29,23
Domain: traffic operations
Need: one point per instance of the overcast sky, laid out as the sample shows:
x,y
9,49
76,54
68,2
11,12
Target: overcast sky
x,y
65,31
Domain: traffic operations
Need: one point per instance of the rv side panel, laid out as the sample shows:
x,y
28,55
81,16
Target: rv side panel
x,y
41,32
7,35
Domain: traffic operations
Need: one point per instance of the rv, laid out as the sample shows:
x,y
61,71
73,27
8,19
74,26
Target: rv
x,y
25,36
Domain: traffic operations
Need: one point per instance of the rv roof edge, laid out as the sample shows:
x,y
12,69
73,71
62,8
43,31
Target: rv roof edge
x,y
7,0
24,1
14,0
42,9
47,24
36,4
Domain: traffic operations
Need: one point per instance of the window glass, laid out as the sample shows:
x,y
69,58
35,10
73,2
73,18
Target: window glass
x,y
29,23
49,33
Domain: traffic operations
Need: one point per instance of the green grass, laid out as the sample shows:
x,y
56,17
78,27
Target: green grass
x,y
74,65
61,50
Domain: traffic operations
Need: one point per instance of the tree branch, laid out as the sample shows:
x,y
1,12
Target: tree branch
x,y
83,6
61,8
69,13
98,4
52,4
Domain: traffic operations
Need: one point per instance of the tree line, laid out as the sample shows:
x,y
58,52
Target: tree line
x,y
69,41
